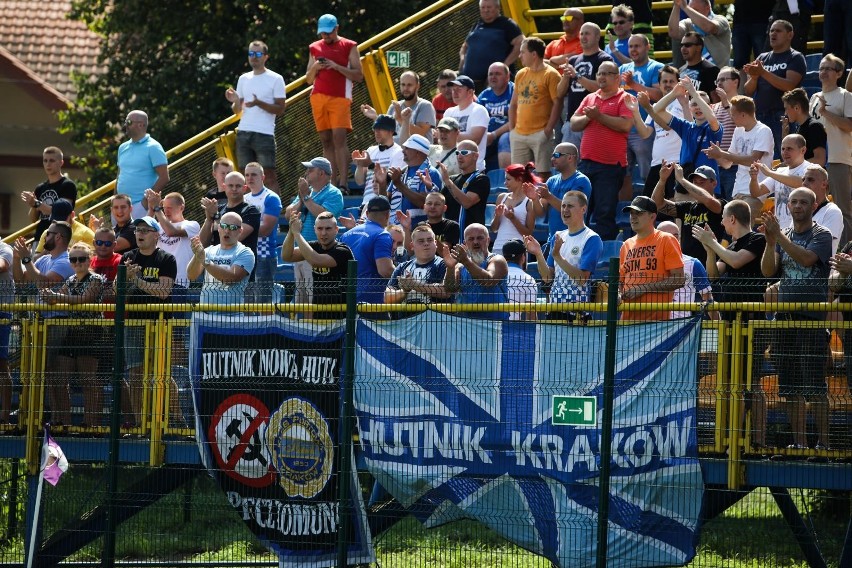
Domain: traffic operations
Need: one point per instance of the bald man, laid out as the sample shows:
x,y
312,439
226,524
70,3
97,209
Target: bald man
x,y
142,163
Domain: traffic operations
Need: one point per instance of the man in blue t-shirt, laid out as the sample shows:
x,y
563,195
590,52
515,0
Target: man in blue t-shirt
x,y
372,247
496,99
568,178
142,163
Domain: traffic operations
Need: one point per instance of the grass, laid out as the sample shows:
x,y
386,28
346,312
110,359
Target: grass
x,y
750,534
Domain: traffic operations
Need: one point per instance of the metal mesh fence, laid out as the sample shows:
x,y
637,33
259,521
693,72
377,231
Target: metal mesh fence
x,y
475,441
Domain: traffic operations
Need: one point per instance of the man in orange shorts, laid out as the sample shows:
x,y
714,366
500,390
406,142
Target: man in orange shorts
x,y
333,65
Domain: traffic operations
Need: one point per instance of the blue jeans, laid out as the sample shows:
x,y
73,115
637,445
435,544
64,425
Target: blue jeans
x,y
772,119
260,291
726,181
747,39
606,183
639,152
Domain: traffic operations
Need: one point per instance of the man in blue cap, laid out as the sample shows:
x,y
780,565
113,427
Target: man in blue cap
x,y
333,66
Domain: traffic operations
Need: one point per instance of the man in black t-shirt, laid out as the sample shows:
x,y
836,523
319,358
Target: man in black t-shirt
x,y
328,257
446,230
580,77
695,205
796,111
466,193
46,193
151,273
235,186
700,71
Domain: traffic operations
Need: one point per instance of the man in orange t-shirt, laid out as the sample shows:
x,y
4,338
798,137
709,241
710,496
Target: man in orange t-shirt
x,y
560,50
651,266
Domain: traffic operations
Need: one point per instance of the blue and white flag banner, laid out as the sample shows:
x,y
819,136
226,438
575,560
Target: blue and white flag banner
x,y
501,422
266,392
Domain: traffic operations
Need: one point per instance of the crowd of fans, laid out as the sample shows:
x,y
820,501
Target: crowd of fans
x,y
712,217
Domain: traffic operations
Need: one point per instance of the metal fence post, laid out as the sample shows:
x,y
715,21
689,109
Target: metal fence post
x,y
346,416
606,426
115,416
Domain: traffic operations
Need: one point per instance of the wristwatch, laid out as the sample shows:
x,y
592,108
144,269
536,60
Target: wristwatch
x,y
158,208
307,198
26,260
36,204
215,217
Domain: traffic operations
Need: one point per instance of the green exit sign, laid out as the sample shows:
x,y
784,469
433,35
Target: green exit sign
x,y
574,410
398,58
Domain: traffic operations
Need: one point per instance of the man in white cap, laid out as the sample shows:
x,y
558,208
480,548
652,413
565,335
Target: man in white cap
x,y
473,117
444,151
333,66
409,185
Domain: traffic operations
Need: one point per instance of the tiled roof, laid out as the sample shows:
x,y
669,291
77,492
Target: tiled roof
x,y
41,36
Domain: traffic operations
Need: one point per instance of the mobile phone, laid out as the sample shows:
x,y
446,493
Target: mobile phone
x,y
321,59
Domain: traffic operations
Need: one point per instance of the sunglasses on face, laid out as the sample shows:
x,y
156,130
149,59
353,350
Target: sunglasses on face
x,y
464,152
619,23
256,54
76,259
567,18
560,154
101,243
230,226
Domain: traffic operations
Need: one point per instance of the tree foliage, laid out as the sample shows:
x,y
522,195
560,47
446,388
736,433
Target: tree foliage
x,y
174,60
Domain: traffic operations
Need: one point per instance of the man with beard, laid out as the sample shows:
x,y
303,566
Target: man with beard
x,y
327,257
412,114
475,275
260,97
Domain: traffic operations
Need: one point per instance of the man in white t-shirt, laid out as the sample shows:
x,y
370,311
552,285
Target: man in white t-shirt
x,y
384,154
827,214
779,183
472,117
521,287
752,142
833,108
260,97
177,231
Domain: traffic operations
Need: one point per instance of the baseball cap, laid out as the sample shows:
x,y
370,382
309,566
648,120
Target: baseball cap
x,y
385,122
326,24
704,171
378,203
463,81
60,210
417,142
449,123
147,220
513,248
641,204
319,162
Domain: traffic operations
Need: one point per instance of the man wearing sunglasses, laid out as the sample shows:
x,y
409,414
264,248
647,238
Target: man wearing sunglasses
x,y
226,266
63,210
702,72
142,163
467,192
715,30
151,273
559,50
260,97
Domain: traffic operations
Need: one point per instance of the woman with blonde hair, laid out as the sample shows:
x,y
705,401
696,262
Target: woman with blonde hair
x,y
78,356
